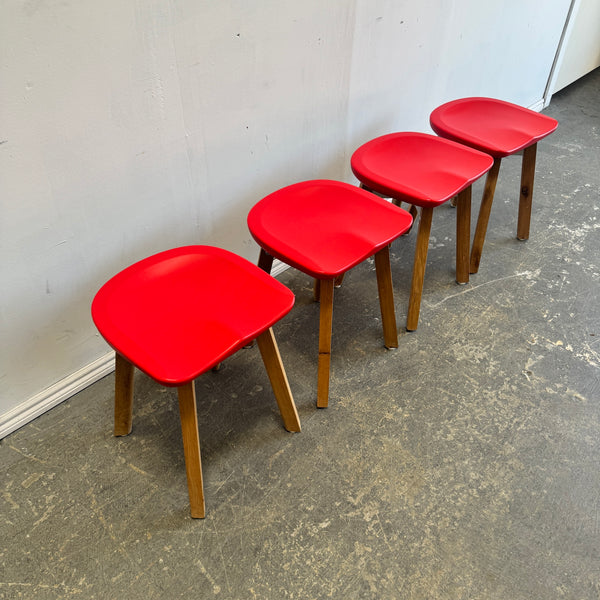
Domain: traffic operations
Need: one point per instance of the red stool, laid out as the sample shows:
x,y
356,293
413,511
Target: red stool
x,y
324,228
179,313
500,129
426,171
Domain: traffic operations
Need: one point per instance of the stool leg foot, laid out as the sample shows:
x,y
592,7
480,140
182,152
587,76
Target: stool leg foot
x,y
484,215
191,448
325,324
526,195
279,382
386,297
463,235
123,395
416,288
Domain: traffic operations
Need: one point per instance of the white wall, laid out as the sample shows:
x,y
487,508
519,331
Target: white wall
x,y
130,126
580,52
409,57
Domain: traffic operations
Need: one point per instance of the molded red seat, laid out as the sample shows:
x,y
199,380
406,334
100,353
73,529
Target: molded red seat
x,y
324,228
426,171
500,129
179,313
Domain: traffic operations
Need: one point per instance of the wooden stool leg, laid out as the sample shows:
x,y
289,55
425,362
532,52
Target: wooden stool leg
x,y
123,395
414,213
325,323
386,297
463,235
484,215
317,290
265,261
191,448
416,289
279,382
339,280
527,176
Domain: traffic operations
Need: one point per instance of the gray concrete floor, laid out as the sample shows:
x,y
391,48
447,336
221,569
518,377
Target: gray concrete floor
x,y
464,464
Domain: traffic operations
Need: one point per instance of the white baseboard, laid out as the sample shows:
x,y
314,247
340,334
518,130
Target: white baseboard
x,y
55,394
278,267
538,106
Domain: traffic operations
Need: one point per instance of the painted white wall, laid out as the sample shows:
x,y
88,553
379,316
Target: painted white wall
x,y
580,52
131,126
410,57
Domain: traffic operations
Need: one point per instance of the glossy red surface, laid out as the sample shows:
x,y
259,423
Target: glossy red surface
x,y
493,126
178,313
323,227
418,168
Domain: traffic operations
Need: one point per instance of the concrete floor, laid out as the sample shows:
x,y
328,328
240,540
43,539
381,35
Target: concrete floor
x,y
463,465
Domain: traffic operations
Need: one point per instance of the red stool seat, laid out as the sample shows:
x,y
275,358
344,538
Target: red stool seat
x,y
324,228
425,171
500,129
179,313
493,126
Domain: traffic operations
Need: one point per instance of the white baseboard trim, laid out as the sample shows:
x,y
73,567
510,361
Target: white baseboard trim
x,y
55,394
538,106
278,267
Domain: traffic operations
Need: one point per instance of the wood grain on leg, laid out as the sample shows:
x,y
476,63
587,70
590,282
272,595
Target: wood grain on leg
x,y
279,382
526,195
386,297
416,288
325,324
463,235
484,215
191,448
123,395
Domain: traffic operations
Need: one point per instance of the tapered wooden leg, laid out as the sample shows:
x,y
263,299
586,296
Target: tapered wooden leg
x,y
339,280
414,213
123,395
416,288
191,448
317,290
463,235
265,261
386,297
484,215
412,209
325,323
527,177
279,382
